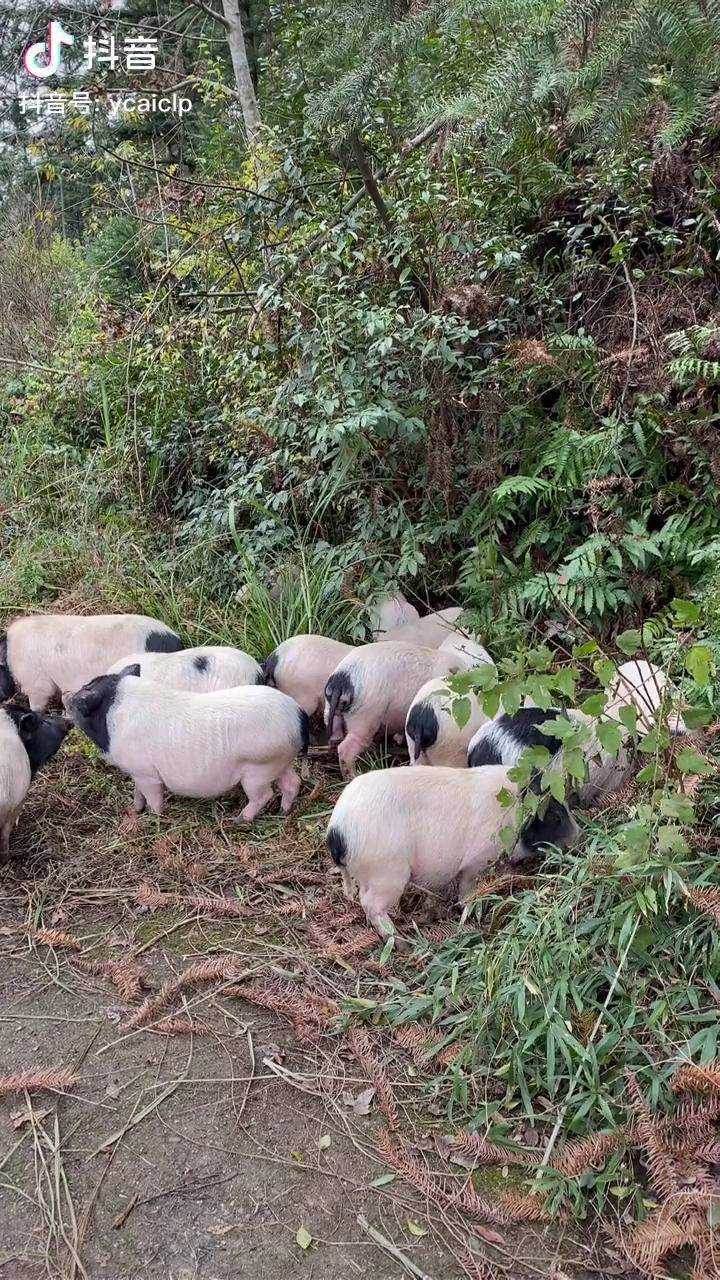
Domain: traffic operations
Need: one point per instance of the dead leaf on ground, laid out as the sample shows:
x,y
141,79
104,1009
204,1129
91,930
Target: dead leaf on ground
x,y
272,1051
24,1116
488,1235
465,1161
360,1104
303,1238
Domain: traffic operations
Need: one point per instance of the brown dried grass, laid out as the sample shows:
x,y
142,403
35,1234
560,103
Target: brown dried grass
x,y
364,1052
707,901
207,904
691,1077
33,1081
661,1167
128,975
56,938
203,973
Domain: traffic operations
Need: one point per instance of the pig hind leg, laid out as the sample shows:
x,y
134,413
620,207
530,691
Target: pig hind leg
x,y
380,895
7,823
40,697
256,782
289,787
352,745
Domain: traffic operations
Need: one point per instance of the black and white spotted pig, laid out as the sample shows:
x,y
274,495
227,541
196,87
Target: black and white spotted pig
x,y
199,670
28,740
434,827
46,655
194,744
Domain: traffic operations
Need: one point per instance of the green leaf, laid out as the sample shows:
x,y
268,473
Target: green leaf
x,y
584,650
636,839
574,761
671,840
512,696
610,737
558,728
384,1180
537,757
505,798
415,1229
688,761
686,613
676,805
656,740
303,1238
628,641
388,949
650,773
324,1142
700,663
491,703
594,705
628,717
696,717
508,838
553,781
565,681
461,709
606,671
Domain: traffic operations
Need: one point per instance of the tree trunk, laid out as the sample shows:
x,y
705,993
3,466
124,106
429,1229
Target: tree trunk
x,y
243,79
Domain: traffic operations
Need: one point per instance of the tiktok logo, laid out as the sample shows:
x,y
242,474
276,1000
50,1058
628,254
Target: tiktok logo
x,y
45,59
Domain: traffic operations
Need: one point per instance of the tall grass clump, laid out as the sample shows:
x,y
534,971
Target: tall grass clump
x,y
600,964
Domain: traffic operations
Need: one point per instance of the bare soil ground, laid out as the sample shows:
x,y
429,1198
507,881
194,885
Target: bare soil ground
x,y
235,1147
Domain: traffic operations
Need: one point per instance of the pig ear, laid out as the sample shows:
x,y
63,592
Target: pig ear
x,y
26,721
87,701
132,670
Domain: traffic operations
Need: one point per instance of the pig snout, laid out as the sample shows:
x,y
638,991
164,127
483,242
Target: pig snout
x,y
337,729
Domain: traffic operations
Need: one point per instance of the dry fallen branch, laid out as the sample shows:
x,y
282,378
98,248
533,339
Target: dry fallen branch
x,y
204,973
309,1013
396,1153
584,1154
56,938
425,1048
657,1236
128,975
701,1079
661,1167
152,898
32,1081
471,1144
707,901
364,1052
475,1267
180,1027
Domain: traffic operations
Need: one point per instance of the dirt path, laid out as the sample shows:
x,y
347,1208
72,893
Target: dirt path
x,y
215,1153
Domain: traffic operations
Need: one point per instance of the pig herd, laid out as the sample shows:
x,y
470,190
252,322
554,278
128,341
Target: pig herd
x,y
201,722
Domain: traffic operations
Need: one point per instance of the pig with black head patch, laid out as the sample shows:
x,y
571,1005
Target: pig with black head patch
x,y
372,688
200,745
47,655
200,670
28,740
